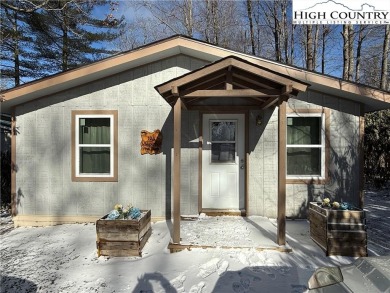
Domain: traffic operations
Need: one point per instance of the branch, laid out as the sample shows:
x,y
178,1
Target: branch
x,y
27,10
33,6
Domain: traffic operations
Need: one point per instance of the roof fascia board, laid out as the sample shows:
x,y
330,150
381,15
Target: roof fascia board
x,y
167,48
297,73
95,70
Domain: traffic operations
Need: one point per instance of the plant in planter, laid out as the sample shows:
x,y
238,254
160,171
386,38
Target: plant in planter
x,y
123,231
124,213
326,203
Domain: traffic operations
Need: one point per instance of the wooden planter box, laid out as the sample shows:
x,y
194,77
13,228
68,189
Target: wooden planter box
x,y
123,237
338,232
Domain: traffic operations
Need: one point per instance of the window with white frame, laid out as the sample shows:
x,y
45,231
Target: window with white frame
x,y
94,145
305,145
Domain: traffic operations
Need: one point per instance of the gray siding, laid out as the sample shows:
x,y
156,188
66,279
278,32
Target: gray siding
x,y
44,184
343,166
43,146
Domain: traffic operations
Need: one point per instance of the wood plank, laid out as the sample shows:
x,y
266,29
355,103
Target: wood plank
x,y
173,247
200,159
221,108
347,235
120,252
114,245
269,103
235,93
145,239
348,251
281,220
346,227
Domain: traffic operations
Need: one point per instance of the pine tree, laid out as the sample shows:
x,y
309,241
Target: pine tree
x,y
16,48
67,34
43,38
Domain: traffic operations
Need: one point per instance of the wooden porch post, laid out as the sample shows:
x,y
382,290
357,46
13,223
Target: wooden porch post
x,y
176,169
281,221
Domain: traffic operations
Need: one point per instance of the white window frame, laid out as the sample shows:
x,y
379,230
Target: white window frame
x,y
78,145
228,141
322,146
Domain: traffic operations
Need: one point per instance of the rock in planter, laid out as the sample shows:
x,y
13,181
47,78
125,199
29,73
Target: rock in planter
x,y
123,237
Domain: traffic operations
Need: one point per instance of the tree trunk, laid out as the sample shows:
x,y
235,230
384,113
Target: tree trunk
x,y
315,47
16,49
361,38
385,60
277,33
284,31
346,51
65,40
350,48
325,32
250,18
309,48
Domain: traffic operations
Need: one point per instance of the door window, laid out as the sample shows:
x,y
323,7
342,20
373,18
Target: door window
x,y
223,141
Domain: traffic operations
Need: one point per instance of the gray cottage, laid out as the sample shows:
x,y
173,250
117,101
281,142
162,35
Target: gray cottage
x,y
230,134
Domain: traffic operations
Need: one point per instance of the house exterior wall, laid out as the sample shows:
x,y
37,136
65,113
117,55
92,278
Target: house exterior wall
x,y
43,150
341,183
43,146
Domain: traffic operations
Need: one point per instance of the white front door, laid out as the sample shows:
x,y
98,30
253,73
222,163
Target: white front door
x,y
223,161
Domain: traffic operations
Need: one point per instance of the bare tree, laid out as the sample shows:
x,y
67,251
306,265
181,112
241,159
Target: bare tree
x,y
348,36
273,20
325,33
309,48
176,15
385,60
361,37
250,19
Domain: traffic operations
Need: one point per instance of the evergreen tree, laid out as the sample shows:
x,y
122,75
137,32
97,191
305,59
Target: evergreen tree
x,y
41,38
16,48
67,34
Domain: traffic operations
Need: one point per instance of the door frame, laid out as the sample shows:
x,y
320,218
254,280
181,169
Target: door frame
x,y
243,212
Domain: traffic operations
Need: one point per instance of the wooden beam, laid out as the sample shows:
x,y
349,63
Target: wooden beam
x,y
175,91
203,86
282,154
176,169
197,74
220,108
287,89
229,79
270,102
200,158
237,93
250,80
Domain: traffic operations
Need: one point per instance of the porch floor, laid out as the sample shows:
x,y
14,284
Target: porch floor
x,y
228,232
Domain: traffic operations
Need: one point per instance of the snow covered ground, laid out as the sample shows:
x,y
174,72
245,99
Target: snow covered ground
x,y
63,259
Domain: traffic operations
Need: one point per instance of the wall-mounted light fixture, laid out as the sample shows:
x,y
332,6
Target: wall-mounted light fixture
x,y
259,120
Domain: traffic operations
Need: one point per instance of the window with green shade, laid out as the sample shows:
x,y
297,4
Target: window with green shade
x,y
94,145
305,145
